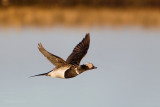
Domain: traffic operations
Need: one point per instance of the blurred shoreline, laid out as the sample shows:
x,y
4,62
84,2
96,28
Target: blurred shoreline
x,y
87,3
79,16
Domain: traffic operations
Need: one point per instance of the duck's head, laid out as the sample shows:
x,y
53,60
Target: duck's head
x,y
90,66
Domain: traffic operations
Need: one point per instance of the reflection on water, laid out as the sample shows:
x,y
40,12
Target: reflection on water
x,y
127,59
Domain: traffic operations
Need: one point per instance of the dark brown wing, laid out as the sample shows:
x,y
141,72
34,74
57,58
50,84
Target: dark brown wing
x,y
79,51
55,60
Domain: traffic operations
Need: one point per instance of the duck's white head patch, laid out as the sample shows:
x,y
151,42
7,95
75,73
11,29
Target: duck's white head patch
x,y
89,65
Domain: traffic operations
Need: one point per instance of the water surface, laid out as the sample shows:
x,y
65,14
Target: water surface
x,y
127,76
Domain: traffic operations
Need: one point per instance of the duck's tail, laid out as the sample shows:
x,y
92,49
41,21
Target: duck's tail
x,y
44,74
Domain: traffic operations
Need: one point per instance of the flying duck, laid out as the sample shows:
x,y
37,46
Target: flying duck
x,y
71,67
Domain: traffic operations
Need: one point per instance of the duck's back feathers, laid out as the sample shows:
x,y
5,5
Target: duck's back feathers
x,y
79,51
55,60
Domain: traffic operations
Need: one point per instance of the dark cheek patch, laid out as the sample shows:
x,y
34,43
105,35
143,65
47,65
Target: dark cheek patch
x,y
84,67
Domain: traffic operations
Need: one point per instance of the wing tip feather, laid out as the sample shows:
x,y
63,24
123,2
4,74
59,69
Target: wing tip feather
x,y
87,36
40,45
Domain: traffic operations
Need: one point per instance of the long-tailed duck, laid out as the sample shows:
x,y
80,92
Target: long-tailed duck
x,y
69,68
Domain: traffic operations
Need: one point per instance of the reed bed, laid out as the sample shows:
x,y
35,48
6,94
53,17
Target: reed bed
x,y
78,16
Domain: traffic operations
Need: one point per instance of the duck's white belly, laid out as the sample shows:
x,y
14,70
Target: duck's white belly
x,y
58,73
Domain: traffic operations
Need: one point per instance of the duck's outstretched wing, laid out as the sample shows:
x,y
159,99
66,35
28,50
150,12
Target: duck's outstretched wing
x,y
79,51
55,60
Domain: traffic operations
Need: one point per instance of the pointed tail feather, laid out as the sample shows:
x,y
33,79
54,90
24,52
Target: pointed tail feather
x,y
44,74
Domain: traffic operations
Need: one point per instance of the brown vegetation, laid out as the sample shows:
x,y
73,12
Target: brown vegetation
x,y
78,16
97,3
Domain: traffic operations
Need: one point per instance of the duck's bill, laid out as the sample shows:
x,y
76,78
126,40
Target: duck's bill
x,y
94,67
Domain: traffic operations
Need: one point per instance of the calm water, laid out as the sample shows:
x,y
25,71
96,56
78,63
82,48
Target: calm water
x,y
128,73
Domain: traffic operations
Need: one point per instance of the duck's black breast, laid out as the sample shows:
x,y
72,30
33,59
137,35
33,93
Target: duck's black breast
x,y
70,73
